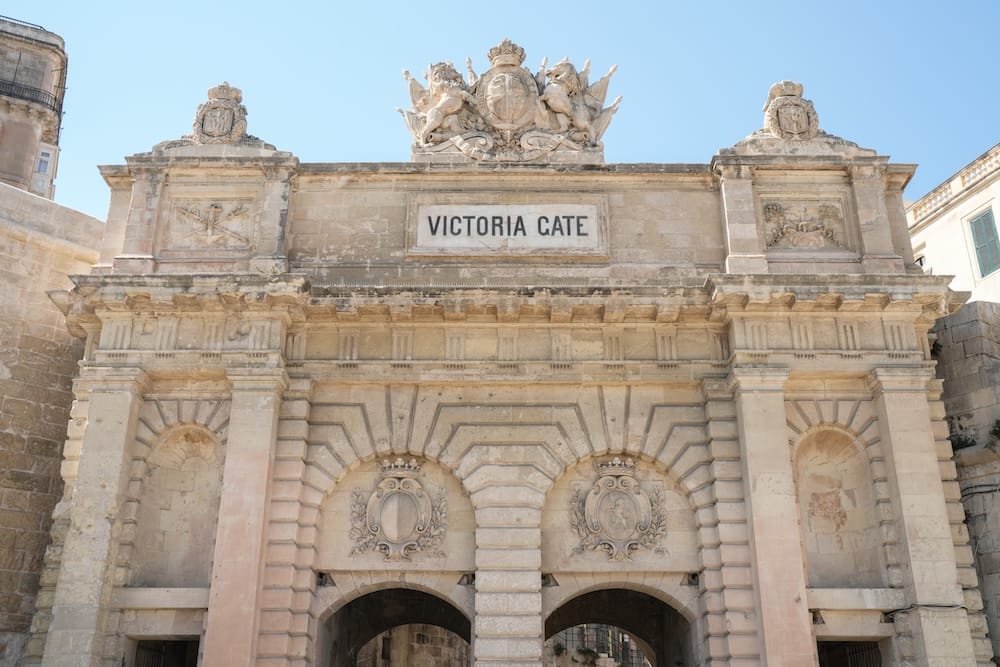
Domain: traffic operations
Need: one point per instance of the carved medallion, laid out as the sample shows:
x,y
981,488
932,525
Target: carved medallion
x,y
788,115
222,119
399,517
616,515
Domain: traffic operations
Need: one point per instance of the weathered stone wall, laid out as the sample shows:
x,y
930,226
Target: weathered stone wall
x,y
40,245
968,354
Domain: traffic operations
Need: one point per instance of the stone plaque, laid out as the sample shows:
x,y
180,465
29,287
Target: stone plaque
x,y
544,228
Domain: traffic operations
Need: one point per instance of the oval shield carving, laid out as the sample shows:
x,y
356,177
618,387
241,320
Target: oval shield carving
x,y
616,515
507,97
617,512
399,517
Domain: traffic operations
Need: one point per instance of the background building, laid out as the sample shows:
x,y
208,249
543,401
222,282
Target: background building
x,y
954,230
41,244
32,85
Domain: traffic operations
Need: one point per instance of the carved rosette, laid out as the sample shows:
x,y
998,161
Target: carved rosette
x,y
399,517
509,114
222,119
616,515
787,115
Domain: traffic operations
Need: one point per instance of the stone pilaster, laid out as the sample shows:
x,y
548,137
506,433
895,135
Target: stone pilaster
x,y
508,627
744,248
773,517
83,591
935,618
287,629
879,253
726,585
136,255
234,599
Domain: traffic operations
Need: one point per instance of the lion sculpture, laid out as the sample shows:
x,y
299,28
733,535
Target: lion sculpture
x,y
438,106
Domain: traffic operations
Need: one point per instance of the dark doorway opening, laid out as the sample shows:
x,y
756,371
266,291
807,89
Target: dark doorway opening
x,y
849,654
663,635
166,653
372,615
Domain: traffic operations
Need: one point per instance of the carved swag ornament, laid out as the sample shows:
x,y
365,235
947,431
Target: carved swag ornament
x,y
508,113
812,225
616,515
399,517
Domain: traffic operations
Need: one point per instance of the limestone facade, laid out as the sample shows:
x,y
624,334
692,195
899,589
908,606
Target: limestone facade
x,y
504,397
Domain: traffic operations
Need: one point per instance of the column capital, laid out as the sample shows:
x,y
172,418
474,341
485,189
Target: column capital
x,y
107,380
764,378
273,380
900,378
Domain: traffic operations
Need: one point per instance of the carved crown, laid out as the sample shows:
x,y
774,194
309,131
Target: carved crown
x,y
616,467
506,53
783,89
400,468
225,92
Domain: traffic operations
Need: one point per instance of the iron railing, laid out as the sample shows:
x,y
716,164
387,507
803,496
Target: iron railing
x,y
36,95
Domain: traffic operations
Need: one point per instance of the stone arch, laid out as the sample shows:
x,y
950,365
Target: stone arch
x,y
835,452
350,614
665,628
671,588
170,513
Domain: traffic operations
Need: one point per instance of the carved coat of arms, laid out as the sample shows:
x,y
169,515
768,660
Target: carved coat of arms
x,y
222,119
508,113
787,114
399,517
616,515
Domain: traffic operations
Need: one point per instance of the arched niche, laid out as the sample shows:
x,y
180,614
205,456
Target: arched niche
x,y
840,536
178,509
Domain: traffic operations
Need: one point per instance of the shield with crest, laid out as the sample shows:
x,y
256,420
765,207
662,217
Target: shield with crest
x,y
217,121
507,97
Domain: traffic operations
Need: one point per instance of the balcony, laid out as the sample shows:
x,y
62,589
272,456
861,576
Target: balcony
x,y
36,95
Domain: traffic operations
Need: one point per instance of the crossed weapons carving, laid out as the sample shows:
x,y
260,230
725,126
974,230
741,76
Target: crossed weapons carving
x,y
211,223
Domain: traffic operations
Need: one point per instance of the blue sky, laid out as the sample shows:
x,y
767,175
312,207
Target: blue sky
x,y
914,80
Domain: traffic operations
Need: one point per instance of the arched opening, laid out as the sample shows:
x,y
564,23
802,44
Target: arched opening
x,y
661,632
360,621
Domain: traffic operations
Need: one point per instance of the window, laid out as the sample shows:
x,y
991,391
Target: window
x,y
43,162
984,238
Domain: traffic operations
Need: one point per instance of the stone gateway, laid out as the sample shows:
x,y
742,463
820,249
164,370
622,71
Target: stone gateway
x,y
484,393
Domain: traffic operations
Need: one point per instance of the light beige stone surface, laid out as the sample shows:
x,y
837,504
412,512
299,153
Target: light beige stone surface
x,y
716,427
